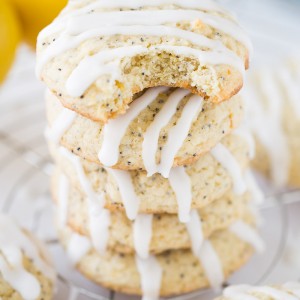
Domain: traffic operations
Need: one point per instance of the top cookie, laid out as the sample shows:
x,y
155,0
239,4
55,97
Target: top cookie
x,y
98,54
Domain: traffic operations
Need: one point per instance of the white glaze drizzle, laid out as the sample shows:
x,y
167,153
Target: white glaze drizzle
x,y
194,227
275,293
60,126
130,200
14,273
99,222
99,217
256,192
211,264
82,22
206,5
107,62
66,42
151,276
246,233
238,292
291,87
181,185
204,251
63,200
115,129
229,163
142,234
78,246
85,22
293,287
84,181
151,136
14,242
153,18
59,24
276,144
178,134
243,292
263,107
248,137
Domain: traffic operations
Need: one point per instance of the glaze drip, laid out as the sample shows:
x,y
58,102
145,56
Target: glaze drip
x,y
15,243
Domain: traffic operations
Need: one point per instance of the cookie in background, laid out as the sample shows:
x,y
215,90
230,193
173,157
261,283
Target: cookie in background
x,y
288,291
26,271
273,110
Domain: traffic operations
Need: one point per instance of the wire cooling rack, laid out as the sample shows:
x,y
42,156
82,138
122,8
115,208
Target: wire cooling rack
x,y
25,167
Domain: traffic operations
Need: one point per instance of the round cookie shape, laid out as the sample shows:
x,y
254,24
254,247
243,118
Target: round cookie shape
x,y
207,180
97,55
166,231
288,291
25,268
274,119
154,134
172,273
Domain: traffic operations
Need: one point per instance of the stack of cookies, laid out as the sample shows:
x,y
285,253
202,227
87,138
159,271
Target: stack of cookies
x,y
153,193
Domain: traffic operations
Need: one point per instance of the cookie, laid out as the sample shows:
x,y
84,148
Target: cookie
x,y
289,291
23,258
150,139
274,118
97,56
200,184
165,230
171,273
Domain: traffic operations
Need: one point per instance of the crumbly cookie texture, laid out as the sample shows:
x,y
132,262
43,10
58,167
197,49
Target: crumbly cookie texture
x,y
168,60
287,290
7,292
167,232
182,271
209,180
85,137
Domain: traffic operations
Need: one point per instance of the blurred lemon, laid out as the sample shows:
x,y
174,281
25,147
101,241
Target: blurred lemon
x,y
35,15
10,35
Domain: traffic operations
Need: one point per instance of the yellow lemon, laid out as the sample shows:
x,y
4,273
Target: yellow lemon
x,y
9,37
35,15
